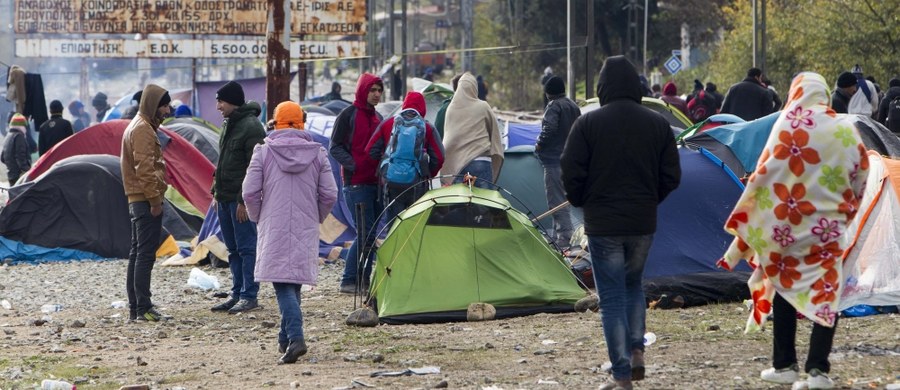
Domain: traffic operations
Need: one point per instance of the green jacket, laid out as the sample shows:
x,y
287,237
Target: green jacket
x,y
241,131
441,117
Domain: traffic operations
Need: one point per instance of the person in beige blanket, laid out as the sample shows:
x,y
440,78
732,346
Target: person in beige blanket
x,y
471,138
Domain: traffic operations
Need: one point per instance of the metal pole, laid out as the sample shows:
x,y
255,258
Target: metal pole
x,y
762,34
278,55
570,75
753,7
589,60
406,57
646,13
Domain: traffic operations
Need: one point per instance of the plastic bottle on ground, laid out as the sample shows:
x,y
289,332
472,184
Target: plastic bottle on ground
x,y
649,338
51,308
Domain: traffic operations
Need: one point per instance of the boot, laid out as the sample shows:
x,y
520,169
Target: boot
x,y
295,349
637,365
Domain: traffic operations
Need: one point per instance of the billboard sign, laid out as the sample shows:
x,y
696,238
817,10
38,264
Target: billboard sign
x,y
181,48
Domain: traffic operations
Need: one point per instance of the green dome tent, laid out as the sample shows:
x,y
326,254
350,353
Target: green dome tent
x,y
456,246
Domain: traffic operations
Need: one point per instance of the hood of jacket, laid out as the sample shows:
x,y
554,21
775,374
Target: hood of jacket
x,y
366,81
670,89
293,150
249,108
416,101
618,80
150,104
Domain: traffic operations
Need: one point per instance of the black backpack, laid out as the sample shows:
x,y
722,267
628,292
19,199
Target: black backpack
x,y
892,120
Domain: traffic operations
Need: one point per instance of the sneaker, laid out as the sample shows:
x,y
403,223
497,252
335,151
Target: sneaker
x,y
784,376
637,365
225,306
819,380
348,288
151,315
295,349
243,305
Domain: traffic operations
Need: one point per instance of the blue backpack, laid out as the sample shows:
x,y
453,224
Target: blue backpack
x,y
402,162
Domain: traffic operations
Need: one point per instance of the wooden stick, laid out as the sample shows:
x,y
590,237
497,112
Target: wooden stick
x,y
551,211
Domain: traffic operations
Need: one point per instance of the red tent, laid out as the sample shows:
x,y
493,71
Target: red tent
x,y
186,168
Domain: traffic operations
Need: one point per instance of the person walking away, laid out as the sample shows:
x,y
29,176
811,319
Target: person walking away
x,y
15,153
241,132
289,190
620,209
559,115
82,118
712,89
865,101
353,128
889,108
846,88
442,111
409,151
670,96
54,129
472,142
806,190
776,100
749,99
144,179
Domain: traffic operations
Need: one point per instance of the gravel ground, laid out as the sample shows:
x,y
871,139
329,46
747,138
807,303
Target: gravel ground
x,y
88,342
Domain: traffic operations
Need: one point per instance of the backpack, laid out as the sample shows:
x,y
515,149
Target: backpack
x,y
892,120
704,107
402,161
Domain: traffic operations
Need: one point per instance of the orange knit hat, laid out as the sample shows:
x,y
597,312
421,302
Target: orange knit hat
x,y
289,115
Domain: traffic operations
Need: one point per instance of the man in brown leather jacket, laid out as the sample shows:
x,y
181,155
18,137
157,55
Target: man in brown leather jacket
x,y
143,176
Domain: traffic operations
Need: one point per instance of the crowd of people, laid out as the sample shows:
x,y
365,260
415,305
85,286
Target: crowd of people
x,y
617,163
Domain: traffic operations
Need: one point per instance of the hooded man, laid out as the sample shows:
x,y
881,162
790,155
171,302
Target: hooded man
x,y
54,129
241,132
353,128
82,118
619,163
472,142
749,99
559,115
144,179
884,107
15,153
335,93
429,164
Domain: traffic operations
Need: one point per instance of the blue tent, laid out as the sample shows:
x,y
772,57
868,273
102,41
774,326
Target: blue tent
x,y
690,237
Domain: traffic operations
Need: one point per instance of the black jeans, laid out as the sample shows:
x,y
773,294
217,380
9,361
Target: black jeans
x,y
784,352
145,233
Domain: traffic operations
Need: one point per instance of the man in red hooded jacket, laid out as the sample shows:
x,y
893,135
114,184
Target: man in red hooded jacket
x,y
433,148
353,128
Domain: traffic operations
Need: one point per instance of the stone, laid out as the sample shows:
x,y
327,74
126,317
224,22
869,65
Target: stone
x,y
480,311
591,303
441,385
77,324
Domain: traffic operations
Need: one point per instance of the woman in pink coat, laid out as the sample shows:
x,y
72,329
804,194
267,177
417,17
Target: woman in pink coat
x,y
289,190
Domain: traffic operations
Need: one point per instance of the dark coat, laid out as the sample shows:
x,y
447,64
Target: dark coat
x,y
839,101
241,132
884,106
52,132
558,118
620,161
749,100
15,154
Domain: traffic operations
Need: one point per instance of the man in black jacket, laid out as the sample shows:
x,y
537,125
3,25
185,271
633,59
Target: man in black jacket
x,y
54,129
846,88
619,163
241,132
749,99
559,115
892,93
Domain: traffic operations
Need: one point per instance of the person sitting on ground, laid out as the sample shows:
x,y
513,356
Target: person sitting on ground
x,y
289,190
54,129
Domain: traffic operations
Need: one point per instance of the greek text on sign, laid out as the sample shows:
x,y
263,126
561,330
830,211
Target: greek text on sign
x,y
181,48
225,17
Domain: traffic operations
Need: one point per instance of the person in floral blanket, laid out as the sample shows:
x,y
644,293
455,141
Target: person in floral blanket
x,y
790,223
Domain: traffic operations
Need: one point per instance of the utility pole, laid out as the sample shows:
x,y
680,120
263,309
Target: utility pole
x,y
278,55
468,36
406,56
570,70
589,67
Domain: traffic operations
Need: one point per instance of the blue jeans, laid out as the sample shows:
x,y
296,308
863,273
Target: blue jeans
x,y
367,194
240,239
145,234
480,169
556,195
288,296
618,266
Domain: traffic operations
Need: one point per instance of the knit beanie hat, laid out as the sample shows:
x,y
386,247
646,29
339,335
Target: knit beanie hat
x,y
698,85
231,93
164,100
99,100
18,120
56,107
289,115
555,86
846,79
183,110
75,107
